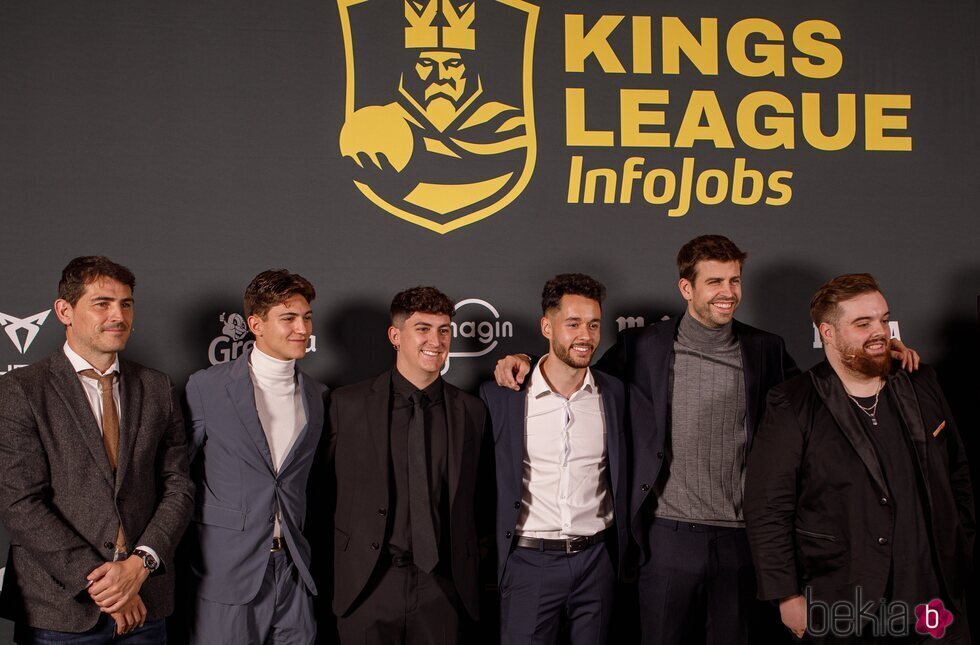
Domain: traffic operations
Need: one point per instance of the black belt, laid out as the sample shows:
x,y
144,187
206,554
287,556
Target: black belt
x,y
568,545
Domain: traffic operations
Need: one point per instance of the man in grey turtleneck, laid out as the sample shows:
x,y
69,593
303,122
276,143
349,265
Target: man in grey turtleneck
x,y
256,423
697,389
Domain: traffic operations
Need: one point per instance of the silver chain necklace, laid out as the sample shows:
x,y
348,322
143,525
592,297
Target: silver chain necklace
x,y
871,409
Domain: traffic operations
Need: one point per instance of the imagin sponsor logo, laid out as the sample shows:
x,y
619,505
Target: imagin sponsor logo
x,y
232,343
476,329
892,324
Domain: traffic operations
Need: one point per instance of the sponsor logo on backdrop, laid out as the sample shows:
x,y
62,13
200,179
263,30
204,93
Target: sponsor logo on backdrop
x,y
477,328
631,322
232,341
22,332
892,325
441,131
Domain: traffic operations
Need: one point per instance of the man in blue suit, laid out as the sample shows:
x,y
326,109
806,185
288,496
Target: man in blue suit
x,y
256,423
560,453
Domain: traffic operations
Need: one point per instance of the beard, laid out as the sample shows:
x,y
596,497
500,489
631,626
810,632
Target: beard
x,y
565,356
857,359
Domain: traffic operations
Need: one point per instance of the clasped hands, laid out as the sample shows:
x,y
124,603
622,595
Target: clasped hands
x,y
114,586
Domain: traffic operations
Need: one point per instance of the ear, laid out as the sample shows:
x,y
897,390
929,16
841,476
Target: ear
x,y
826,333
686,288
255,324
394,335
64,310
546,327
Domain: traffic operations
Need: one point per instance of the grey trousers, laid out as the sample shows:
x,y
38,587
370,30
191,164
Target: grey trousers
x,y
281,613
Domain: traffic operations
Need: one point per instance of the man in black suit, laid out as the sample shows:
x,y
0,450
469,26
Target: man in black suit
x,y
697,387
859,487
95,492
405,446
561,478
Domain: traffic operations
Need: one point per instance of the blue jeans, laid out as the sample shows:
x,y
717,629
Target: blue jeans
x,y
151,633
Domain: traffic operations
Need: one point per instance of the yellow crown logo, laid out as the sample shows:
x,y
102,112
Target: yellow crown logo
x,y
457,25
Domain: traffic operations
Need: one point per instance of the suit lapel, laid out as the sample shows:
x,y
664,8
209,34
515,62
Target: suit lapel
x,y
515,426
831,390
377,406
908,409
242,394
307,388
131,403
612,430
456,426
660,373
65,382
750,345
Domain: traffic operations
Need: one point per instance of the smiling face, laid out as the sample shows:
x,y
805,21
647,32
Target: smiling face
x,y
422,345
715,293
573,330
859,338
284,331
99,323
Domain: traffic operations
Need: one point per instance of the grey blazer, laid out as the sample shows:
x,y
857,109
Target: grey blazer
x,y
238,487
60,502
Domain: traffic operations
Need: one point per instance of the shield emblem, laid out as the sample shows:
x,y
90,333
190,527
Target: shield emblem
x,y
439,111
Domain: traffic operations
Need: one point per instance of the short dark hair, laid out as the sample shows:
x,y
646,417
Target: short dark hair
x,y
825,303
274,287
570,284
427,300
88,268
707,247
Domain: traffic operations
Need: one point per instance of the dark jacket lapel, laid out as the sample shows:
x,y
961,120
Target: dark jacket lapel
x,y
660,372
751,346
242,393
131,403
456,426
831,390
612,430
314,416
65,382
376,411
908,408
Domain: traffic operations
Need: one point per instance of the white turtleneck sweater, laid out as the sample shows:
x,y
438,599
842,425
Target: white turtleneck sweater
x,y
279,405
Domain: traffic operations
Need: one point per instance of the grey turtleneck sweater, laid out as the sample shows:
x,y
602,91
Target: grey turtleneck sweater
x,y
707,438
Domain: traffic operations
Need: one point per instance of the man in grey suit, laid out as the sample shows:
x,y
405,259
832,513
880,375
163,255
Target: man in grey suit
x,y
256,423
95,492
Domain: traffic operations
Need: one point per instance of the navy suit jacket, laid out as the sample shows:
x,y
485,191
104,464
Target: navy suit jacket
x,y
643,358
507,414
238,487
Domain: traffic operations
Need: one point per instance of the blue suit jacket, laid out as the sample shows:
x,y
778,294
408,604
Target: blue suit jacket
x,y
237,486
507,413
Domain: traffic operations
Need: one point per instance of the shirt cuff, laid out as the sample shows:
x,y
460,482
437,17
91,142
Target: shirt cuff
x,y
149,550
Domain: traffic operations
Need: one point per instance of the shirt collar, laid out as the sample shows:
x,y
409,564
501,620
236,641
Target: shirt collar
x,y
539,384
404,388
78,363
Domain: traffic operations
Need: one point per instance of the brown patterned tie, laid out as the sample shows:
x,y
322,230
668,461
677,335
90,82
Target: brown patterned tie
x,y
110,431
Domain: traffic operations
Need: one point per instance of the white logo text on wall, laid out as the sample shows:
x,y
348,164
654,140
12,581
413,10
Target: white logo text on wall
x,y
231,343
476,329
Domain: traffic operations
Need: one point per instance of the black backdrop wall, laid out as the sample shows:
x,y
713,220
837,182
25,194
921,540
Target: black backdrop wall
x,y
200,143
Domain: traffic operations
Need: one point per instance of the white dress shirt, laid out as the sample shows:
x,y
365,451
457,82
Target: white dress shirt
x,y
94,396
566,490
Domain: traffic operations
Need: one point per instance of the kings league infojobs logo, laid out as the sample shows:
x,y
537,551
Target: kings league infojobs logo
x,y
439,113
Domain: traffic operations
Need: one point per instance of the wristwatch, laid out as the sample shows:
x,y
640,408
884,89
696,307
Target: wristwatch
x,y
149,562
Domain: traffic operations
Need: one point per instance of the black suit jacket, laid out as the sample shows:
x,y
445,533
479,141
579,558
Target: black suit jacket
x,y
507,413
816,502
359,449
643,358
60,502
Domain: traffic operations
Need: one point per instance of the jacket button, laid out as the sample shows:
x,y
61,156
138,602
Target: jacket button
x,y
508,534
660,455
517,504
883,501
644,487
382,511
375,546
882,541
109,545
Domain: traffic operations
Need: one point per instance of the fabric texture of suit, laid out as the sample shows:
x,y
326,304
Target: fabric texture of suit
x,y
507,411
818,506
643,358
360,454
239,488
61,503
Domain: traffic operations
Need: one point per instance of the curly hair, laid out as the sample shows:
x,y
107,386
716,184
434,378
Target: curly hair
x,y
274,287
88,268
427,300
707,247
570,284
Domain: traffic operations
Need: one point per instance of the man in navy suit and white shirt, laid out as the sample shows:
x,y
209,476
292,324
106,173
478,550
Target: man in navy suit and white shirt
x,y
561,478
256,423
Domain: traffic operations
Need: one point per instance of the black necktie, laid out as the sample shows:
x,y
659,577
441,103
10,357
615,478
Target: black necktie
x,y
425,553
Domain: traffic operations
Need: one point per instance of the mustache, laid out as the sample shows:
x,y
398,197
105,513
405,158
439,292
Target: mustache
x,y
115,327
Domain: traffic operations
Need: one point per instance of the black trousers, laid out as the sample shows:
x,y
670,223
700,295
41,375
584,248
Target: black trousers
x,y
699,587
404,606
